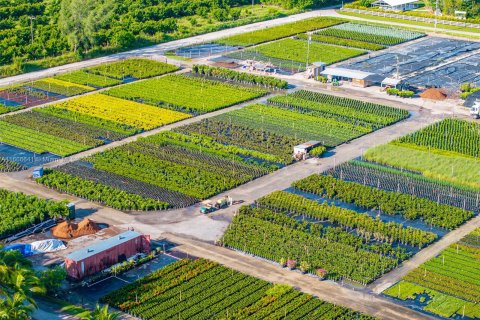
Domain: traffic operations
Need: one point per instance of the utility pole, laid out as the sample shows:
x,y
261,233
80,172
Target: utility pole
x,y
308,49
253,3
31,26
436,13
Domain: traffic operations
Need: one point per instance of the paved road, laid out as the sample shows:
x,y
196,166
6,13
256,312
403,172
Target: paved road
x,y
324,290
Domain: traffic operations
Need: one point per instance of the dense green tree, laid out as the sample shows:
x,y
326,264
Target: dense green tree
x,y
52,278
46,28
80,19
124,39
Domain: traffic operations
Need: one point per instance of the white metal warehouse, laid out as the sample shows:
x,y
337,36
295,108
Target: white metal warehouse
x,y
396,5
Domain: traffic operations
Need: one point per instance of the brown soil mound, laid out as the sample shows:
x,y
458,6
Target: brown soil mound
x,y
230,65
433,94
68,229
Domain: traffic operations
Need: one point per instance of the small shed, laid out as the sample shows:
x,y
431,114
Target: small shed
x,y
103,254
304,148
317,68
356,77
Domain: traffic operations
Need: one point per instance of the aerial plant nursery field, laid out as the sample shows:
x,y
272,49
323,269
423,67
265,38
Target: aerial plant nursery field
x,y
331,44
364,214
19,211
240,77
78,82
133,69
89,121
369,33
291,54
367,37
283,31
350,231
399,180
187,94
199,160
211,291
448,285
172,168
113,73
82,123
447,150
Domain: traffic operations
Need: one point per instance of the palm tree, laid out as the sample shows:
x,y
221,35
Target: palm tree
x,y
101,313
14,307
24,282
17,284
4,275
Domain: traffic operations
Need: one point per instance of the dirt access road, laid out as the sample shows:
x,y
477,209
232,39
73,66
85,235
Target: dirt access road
x,y
324,290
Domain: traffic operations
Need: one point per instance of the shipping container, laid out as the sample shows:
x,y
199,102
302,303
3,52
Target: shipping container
x,y
103,254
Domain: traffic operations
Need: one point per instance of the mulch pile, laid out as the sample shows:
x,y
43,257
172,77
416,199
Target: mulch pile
x,y
229,65
433,94
69,230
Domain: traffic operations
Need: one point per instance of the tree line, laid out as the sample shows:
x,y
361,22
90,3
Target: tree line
x,y
46,28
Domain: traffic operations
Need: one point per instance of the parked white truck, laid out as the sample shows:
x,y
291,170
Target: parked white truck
x,y
475,110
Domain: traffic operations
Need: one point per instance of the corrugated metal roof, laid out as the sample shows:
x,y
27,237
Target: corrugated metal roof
x,y
398,2
346,73
391,81
103,245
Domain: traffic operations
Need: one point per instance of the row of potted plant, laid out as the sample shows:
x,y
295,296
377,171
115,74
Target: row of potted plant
x,y
304,267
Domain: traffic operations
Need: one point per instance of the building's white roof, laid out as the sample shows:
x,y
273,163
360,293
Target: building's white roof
x,y
307,144
391,81
394,3
346,73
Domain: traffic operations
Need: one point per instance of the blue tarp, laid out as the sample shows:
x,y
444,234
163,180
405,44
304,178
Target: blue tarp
x,y
25,249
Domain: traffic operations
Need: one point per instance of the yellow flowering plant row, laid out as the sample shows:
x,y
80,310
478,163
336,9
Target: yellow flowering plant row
x,y
61,87
122,111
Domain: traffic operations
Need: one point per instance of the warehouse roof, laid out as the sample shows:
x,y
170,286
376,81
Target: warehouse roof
x,y
307,144
397,2
103,245
391,81
346,73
